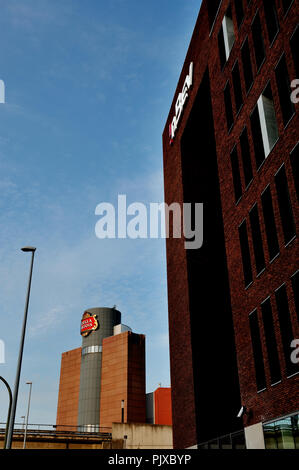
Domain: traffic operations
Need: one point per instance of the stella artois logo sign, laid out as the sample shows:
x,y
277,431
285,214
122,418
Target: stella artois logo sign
x,y
89,323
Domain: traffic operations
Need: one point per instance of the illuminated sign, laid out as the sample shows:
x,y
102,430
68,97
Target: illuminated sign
x,y
89,323
180,103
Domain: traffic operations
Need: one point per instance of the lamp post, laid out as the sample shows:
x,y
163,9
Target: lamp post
x,y
9,409
122,411
23,418
26,426
27,249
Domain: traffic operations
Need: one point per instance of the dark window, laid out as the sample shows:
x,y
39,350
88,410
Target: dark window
x,y
294,48
213,6
236,173
271,342
237,86
257,351
271,19
270,226
285,328
295,285
257,239
285,208
246,159
286,4
247,68
259,151
284,90
228,106
258,41
294,157
245,253
221,49
239,11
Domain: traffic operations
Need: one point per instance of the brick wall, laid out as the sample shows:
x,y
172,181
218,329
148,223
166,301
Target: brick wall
x,y
123,378
162,404
68,398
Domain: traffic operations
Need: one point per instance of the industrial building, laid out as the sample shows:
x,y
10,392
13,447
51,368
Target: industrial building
x,y
231,143
104,380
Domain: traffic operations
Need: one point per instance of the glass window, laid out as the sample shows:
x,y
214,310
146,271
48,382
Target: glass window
x,y
282,434
285,328
221,47
271,19
228,107
228,32
271,344
245,253
295,285
294,48
268,121
259,152
258,41
213,6
285,207
237,86
246,158
294,158
239,12
247,67
257,239
236,174
284,90
257,351
270,226
270,436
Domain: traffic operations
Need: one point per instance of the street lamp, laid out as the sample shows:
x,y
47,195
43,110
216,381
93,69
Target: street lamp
x,y
26,249
25,433
122,411
9,409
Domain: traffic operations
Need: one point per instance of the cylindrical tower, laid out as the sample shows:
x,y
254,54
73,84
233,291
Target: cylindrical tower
x,y
96,324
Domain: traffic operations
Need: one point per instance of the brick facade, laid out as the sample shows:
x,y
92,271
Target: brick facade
x,y
162,404
189,328
68,398
123,378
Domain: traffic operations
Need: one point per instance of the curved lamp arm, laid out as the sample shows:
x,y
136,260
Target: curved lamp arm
x,y
9,408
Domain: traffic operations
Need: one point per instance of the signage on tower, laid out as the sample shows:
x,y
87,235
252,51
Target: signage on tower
x,y
89,323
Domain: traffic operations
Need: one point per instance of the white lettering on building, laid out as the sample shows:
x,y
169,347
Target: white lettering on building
x,y
180,103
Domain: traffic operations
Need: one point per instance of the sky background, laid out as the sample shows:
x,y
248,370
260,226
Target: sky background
x,y
89,85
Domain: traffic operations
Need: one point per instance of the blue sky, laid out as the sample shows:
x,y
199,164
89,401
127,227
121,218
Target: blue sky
x,y
88,89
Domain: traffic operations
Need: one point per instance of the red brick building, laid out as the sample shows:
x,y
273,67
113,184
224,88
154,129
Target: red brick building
x,y
123,379
158,406
105,378
231,143
69,385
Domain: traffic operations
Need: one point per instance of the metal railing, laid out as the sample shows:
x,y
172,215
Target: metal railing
x,y
57,430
